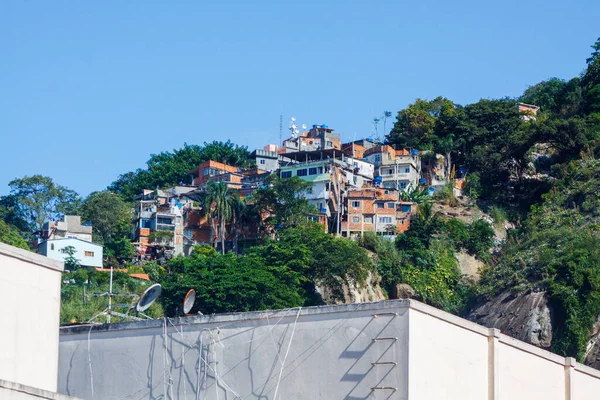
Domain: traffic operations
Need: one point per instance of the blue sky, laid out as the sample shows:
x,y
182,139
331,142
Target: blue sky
x,y
89,89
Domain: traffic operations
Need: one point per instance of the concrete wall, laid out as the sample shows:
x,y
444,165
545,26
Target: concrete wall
x,y
54,252
30,309
397,349
15,391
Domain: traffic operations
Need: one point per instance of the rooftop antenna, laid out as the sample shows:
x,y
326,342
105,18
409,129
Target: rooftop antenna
x,y
188,301
144,302
280,129
294,128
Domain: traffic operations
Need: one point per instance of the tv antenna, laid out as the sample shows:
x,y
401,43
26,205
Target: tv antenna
x,y
143,303
188,301
294,128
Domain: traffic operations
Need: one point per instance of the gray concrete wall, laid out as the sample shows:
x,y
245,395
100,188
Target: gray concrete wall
x,y
398,349
16,391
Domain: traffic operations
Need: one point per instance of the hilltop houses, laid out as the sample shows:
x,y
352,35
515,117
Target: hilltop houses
x,y
355,188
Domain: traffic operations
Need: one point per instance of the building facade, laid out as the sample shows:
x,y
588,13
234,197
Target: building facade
x,y
398,169
376,210
87,253
69,227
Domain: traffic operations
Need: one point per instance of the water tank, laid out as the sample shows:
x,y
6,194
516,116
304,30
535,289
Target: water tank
x,y
377,180
415,152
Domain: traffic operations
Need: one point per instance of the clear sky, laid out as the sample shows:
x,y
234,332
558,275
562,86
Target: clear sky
x,y
89,89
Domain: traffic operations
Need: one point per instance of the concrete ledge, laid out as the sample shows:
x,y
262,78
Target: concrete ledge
x,y
238,317
31,257
7,386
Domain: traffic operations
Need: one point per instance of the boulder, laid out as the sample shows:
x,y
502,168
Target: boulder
x,y
526,316
403,291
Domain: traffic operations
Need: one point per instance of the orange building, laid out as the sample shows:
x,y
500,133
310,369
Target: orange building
x,y
209,169
375,210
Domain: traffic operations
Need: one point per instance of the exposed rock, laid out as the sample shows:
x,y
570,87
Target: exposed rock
x,y
403,291
354,293
469,265
526,316
592,352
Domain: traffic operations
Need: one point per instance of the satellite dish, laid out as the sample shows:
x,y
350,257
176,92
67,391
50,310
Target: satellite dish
x,y
188,301
303,126
293,119
149,297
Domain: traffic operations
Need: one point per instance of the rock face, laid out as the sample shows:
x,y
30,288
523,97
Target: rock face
x,y
525,316
592,353
353,293
469,265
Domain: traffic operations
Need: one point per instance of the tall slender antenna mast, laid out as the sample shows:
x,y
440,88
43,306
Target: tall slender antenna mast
x,y
280,130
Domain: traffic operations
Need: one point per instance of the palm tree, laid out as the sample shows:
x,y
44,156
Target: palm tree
x,y
217,203
416,195
238,205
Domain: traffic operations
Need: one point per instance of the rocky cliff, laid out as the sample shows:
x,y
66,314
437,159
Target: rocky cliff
x,y
527,316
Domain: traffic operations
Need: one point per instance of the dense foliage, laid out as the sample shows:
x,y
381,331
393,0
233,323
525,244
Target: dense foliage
x,y
282,273
172,168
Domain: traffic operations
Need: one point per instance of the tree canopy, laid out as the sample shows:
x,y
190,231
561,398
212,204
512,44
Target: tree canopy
x,y
172,167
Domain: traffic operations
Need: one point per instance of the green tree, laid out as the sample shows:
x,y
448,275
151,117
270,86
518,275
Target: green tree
x,y
11,236
217,203
283,201
416,125
229,283
172,167
109,215
71,262
38,199
111,218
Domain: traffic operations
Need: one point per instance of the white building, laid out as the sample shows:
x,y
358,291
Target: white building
x,y
89,254
30,309
398,169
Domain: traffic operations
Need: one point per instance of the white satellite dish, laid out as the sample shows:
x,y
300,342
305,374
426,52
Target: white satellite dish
x,y
188,301
149,297
293,119
303,126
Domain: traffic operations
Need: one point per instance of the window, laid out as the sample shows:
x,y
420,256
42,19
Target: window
x,y
406,170
377,157
355,220
405,208
391,204
262,161
385,220
403,185
301,172
312,171
380,205
355,204
329,144
89,254
309,190
165,221
206,171
368,220
146,223
355,180
286,174
51,246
